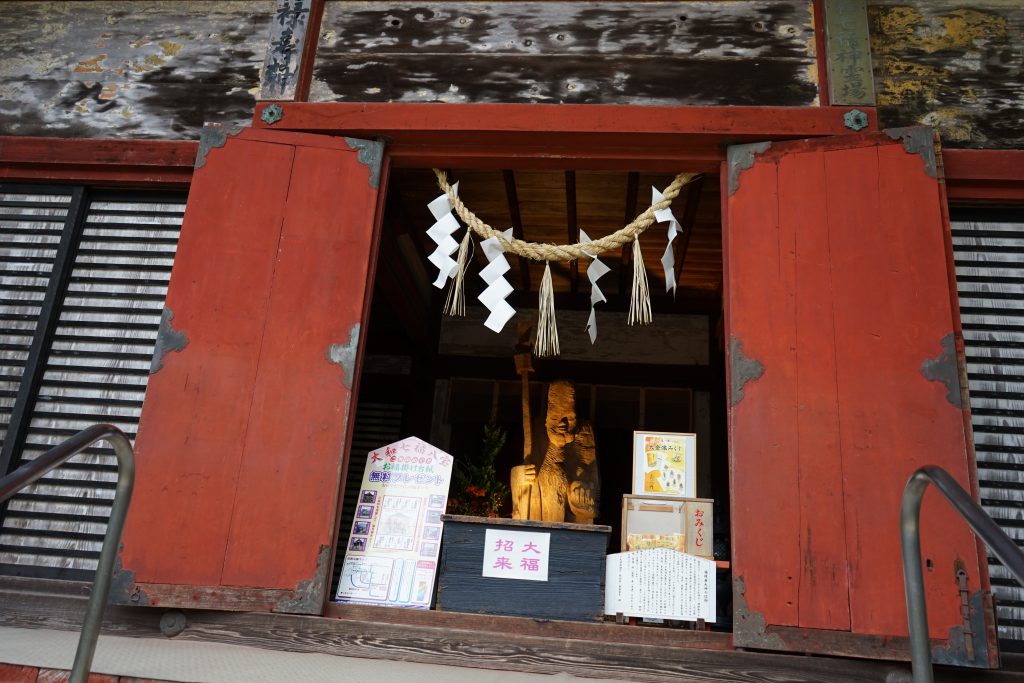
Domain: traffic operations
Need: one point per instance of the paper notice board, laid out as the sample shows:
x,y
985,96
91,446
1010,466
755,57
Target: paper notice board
x,y
392,551
660,584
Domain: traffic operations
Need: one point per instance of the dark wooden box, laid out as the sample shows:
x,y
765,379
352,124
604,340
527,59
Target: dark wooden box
x,y
574,590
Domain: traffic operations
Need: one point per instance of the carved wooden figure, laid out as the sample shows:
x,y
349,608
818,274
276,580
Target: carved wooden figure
x,y
562,483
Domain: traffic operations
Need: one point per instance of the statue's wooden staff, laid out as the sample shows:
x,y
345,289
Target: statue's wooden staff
x,y
523,368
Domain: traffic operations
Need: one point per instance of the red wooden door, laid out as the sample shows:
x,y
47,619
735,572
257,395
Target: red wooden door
x,y
243,430
845,359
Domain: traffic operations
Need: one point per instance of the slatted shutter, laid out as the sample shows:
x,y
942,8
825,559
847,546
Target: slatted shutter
x,y
32,222
989,248
93,367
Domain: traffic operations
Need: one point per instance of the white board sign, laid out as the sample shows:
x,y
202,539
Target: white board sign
x,y
396,535
660,584
516,554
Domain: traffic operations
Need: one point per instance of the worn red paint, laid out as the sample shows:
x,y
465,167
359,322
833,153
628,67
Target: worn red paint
x,y
59,676
565,136
12,673
837,283
242,433
984,175
98,162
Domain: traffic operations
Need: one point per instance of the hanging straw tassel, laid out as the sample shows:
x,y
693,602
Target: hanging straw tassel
x,y
640,300
455,305
547,329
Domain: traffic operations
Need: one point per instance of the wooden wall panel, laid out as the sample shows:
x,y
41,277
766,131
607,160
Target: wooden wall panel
x,y
837,289
753,52
952,65
137,69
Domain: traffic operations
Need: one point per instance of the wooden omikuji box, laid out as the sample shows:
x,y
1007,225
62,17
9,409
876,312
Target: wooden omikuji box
x,y
574,589
663,515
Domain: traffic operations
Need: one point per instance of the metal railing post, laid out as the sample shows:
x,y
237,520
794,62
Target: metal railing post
x,y
1001,545
53,458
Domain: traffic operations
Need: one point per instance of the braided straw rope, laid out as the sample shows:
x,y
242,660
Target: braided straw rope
x,y
565,252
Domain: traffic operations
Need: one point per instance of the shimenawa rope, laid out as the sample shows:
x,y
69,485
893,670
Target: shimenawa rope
x,y
565,252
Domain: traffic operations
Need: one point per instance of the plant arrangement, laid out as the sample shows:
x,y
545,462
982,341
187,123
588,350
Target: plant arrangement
x,y
476,489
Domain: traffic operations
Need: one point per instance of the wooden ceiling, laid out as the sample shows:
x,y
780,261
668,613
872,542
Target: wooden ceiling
x,y
550,206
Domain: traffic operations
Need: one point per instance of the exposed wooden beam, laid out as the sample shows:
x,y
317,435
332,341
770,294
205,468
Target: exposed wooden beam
x,y
574,228
632,183
517,225
560,136
98,162
690,204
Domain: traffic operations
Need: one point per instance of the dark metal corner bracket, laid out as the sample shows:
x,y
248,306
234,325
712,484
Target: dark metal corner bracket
x,y
917,140
750,628
944,368
309,594
167,339
371,155
740,158
344,355
211,136
742,370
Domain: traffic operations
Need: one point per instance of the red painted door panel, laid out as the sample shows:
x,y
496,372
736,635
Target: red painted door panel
x,y
243,428
840,315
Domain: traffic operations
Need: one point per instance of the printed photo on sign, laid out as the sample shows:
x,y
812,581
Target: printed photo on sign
x,y
368,497
361,528
364,511
431,533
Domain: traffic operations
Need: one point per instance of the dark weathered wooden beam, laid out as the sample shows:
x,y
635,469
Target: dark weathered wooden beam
x,y
632,184
603,650
517,225
690,205
574,228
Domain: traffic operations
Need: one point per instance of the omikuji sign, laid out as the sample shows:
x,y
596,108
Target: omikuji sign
x,y
516,554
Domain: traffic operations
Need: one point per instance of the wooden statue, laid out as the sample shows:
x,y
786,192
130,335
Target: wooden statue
x,y
561,484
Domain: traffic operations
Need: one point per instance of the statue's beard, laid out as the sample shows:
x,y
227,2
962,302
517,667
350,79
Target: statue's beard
x,y
560,438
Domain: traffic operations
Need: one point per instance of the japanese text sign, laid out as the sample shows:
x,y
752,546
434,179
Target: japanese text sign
x,y
660,584
516,554
392,551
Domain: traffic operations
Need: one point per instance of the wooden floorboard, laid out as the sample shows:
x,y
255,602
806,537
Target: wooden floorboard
x,y
461,640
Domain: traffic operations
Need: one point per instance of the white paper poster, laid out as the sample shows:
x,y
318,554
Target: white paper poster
x,y
516,554
396,535
660,584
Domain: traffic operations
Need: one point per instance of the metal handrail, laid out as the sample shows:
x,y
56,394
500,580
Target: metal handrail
x,y
1001,545
50,460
